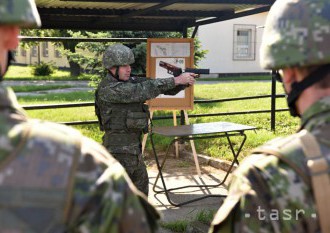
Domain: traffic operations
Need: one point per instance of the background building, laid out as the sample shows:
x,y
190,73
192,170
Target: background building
x,y
233,45
46,52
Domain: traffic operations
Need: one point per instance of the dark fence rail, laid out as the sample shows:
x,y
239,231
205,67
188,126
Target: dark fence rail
x,y
89,104
273,95
52,106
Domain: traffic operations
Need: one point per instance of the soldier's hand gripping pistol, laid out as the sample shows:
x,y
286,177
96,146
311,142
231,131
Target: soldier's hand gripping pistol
x,y
176,71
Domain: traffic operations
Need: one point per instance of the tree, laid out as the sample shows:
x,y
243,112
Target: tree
x,y
140,50
70,46
67,45
87,56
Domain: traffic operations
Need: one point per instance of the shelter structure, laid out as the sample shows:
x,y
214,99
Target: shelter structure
x,y
144,15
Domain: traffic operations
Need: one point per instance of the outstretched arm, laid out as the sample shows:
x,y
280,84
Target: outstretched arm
x,y
127,92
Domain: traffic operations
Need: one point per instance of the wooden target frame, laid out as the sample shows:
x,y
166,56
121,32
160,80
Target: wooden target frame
x,y
178,52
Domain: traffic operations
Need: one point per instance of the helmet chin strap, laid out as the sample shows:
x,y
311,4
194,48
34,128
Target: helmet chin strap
x,y
298,87
10,58
116,74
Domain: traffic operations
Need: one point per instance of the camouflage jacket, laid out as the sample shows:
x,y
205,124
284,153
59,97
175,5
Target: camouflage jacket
x,y
266,194
52,179
122,111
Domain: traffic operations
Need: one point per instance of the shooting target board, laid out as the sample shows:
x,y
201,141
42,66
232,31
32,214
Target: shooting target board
x,y
177,52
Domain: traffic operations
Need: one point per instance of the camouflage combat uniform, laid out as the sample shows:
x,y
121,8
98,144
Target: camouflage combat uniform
x,y
123,115
52,179
267,195
271,191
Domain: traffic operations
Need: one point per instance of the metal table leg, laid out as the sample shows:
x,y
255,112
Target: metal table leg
x,y
160,167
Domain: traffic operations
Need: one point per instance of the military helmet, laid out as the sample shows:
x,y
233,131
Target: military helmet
x,y
297,33
19,12
117,55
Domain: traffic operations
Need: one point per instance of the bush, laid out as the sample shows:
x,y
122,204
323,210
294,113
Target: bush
x,y
43,69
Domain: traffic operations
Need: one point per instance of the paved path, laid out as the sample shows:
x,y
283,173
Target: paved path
x,y
82,83
176,174
77,86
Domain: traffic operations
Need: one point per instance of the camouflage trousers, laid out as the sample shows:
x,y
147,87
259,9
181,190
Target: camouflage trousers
x,y
136,170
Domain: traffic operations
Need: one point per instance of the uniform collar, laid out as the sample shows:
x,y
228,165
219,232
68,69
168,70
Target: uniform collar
x,y
8,100
111,78
311,116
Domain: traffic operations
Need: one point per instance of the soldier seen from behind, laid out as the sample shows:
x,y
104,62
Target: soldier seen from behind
x,y
284,185
53,179
122,112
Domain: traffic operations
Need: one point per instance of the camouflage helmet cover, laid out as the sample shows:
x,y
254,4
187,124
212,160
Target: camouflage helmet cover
x,y
19,12
117,55
297,33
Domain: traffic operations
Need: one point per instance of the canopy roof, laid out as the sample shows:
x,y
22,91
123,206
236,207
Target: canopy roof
x,y
143,15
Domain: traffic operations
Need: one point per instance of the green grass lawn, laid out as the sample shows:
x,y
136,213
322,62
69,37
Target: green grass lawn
x,y
214,147
25,73
219,147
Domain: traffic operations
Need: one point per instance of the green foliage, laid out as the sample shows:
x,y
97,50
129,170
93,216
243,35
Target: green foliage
x,y
144,34
199,54
41,33
140,54
205,216
140,50
38,33
43,69
88,55
175,226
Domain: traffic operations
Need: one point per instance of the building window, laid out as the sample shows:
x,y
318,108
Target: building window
x,y
244,42
57,51
23,52
44,46
34,51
